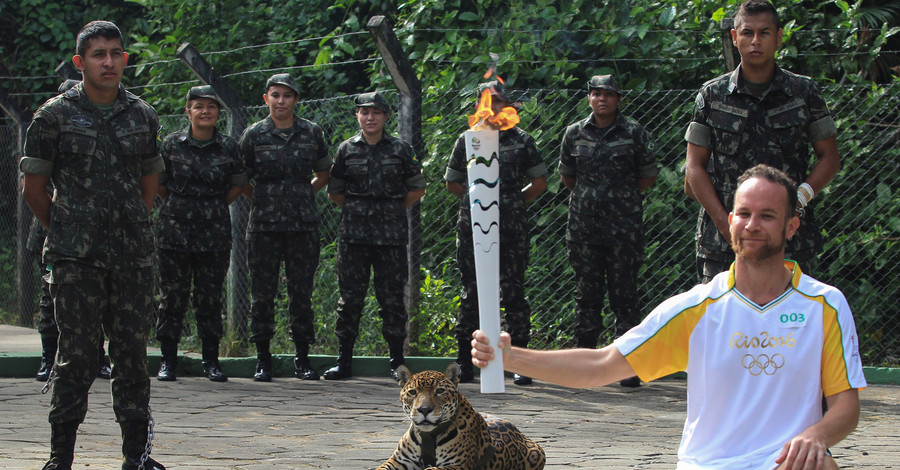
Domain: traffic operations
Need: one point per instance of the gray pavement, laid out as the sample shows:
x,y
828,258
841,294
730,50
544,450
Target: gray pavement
x,y
355,424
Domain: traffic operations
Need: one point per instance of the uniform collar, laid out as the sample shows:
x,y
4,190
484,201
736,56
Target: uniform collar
x,y
386,137
184,135
779,82
77,94
589,121
269,124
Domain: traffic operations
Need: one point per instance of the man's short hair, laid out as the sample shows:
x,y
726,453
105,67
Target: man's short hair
x,y
776,176
95,29
756,7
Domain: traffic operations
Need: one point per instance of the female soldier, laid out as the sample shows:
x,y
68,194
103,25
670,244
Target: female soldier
x,y
287,161
204,174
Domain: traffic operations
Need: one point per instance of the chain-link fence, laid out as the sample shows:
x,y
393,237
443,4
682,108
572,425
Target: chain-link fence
x,y
859,214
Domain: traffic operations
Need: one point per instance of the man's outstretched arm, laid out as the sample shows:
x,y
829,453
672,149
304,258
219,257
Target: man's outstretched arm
x,y
577,368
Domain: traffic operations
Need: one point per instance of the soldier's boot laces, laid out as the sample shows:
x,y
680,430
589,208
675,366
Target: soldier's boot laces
x,y
62,446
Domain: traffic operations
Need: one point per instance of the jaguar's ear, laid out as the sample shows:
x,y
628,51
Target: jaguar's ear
x,y
452,373
403,375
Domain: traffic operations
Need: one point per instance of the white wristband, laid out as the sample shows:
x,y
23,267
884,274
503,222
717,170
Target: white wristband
x,y
807,191
801,198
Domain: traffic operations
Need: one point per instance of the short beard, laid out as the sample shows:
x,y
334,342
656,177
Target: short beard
x,y
764,252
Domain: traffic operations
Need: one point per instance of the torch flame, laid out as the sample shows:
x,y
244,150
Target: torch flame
x,y
484,116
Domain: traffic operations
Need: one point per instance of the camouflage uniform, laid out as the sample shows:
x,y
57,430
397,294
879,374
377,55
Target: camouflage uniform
x,y
99,245
283,222
374,232
520,163
743,130
35,244
193,231
604,234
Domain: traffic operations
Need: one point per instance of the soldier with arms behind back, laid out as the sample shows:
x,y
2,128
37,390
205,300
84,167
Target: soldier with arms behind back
x,y
606,160
204,174
375,178
97,144
287,162
757,114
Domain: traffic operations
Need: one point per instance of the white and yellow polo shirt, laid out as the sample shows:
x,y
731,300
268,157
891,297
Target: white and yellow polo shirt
x,y
756,373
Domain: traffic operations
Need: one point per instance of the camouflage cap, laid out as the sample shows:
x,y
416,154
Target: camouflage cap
x,y
372,99
497,89
605,82
64,86
283,79
204,91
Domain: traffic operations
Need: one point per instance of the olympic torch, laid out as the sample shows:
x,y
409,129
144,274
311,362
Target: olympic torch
x,y
483,172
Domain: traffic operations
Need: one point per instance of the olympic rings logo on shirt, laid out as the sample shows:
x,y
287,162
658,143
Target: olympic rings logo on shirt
x,y
763,363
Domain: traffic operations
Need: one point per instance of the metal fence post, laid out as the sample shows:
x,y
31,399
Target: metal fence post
x,y
728,50
26,288
409,118
238,300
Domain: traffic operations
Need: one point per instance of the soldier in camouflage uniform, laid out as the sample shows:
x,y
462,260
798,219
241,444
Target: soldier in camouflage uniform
x,y
606,160
46,323
523,176
204,174
375,177
756,114
97,144
280,153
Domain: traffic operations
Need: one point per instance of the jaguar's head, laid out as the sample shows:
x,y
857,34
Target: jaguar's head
x,y
429,398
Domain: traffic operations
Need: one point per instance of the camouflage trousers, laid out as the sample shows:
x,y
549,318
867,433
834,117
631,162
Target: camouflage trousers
x,y
87,301
390,271
300,253
709,266
600,269
46,323
179,273
514,252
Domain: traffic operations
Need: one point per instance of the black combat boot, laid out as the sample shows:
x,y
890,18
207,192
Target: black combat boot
x,y
517,378
263,363
48,356
211,366
395,348
302,368
168,362
343,369
103,369
464,360
62,446
135,451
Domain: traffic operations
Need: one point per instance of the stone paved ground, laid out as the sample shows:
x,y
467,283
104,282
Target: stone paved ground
x,y
355,424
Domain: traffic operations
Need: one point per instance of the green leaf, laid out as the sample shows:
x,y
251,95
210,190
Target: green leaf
x,y
718,15
468,16
667,16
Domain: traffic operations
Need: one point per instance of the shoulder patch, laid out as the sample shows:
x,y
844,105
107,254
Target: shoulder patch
x,y
651,146
700,102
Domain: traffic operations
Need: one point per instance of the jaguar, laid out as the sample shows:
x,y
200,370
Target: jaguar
x,y
447,433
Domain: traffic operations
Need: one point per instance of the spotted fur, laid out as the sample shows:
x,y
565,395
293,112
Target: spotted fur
x,y
447,433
